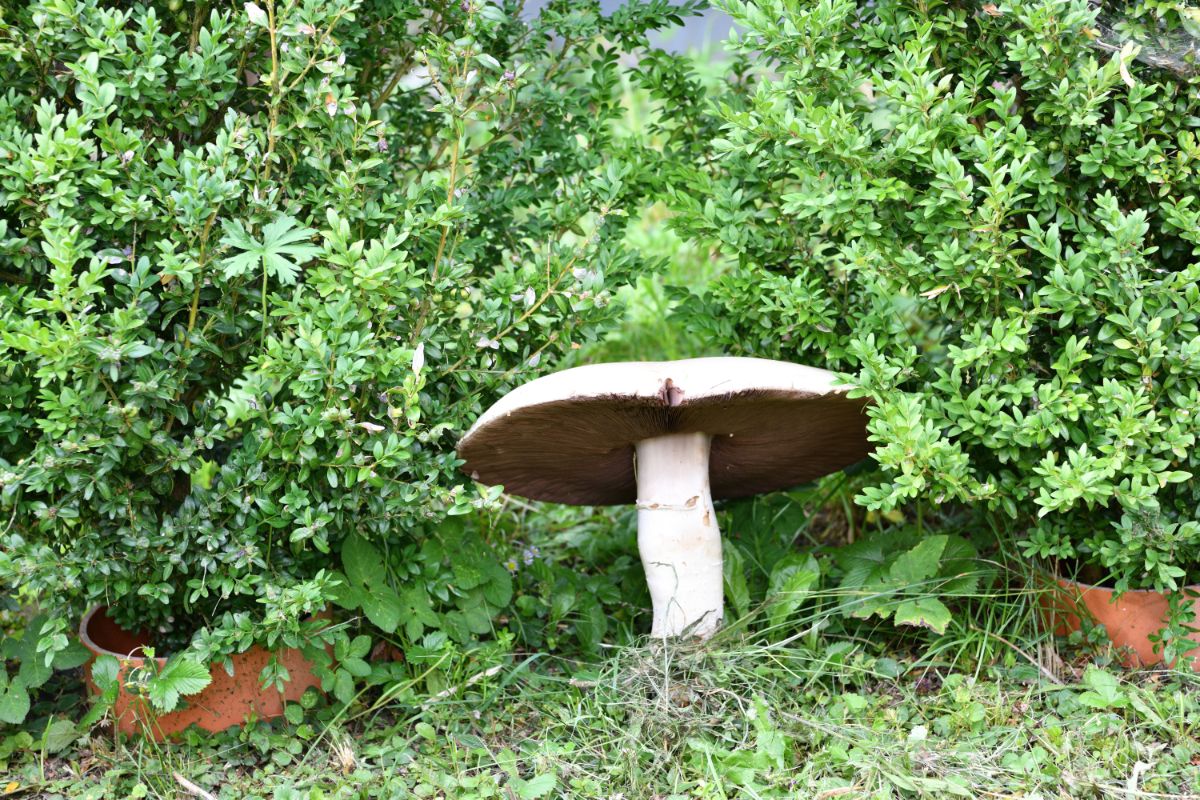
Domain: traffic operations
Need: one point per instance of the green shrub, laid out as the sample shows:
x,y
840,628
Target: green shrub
x,y
260,264
989,223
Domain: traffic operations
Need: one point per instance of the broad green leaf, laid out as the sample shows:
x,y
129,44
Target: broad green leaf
x,y
919,564
1104,690
343,687
924,612
534,788
591,624
417,612
790,584
381,605
363,563
960,566
180,677
14,700
104,671
59,735
345,594
736,590
499,587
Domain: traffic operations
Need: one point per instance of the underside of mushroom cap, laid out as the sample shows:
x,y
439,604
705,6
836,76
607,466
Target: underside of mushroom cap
x,y
569,437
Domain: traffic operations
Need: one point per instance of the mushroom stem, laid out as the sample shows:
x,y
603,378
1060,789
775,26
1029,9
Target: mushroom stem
x,y
678,537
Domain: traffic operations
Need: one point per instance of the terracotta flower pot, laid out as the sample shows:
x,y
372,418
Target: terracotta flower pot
x,y
226,702
1129,620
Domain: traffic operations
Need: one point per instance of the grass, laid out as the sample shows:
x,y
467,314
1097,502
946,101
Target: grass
x,y
792,712
818,705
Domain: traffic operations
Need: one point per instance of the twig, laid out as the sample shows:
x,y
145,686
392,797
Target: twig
x,y
276,95
192,788
474,679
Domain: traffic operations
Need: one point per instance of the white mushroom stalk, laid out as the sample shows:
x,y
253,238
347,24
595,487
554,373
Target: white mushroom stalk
x,y
678,537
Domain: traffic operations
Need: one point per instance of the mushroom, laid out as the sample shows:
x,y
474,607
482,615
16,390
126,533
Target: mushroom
x,y
669,436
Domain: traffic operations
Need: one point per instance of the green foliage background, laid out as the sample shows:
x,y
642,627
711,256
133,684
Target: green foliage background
x,y
262,263
989,225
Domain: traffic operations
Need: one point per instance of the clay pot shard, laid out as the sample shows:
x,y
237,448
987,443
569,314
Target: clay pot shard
x,y
1129,619
226,702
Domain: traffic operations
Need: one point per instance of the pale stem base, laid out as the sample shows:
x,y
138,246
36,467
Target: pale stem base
x,y
678,537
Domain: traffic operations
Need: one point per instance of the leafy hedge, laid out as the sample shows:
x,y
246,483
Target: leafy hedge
x,y
989,223
259,267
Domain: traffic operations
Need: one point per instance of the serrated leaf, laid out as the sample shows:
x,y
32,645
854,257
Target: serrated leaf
x,y
363,563
14,701
790,584
924,612
359,647
960,567
918,564
75,655
59,735
381,605
104,671
283,247
179,678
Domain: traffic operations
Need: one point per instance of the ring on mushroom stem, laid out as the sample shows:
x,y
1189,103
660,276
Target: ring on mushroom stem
x,y
669,436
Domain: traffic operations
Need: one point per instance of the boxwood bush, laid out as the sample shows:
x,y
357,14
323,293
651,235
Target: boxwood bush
x,y
985,215
260,264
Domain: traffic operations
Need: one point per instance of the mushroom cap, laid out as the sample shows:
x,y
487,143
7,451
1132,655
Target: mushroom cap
x,y
569,437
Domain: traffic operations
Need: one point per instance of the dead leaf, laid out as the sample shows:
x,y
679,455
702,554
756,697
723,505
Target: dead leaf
x,y
992,10
935,291
1123,65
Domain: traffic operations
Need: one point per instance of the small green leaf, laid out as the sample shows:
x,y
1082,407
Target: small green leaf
x,y
180,677
1104,690
294,713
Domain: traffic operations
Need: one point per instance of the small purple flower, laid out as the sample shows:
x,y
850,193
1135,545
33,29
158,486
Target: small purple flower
x,y
509,76
381,145
530,554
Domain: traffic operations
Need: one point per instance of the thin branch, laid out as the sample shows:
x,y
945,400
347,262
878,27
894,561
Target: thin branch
x,y
193,789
